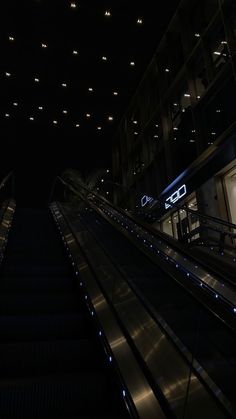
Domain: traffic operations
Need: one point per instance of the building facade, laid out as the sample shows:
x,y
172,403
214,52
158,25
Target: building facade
x,y
180,128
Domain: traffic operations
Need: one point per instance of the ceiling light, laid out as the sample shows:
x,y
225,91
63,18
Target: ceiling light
x,y
139,21
110,118
99,128
65,112
31,118
102,180
75,52
44,45
216,53
36,80
104,58
11,38
64,85
107,13
73,5
15,104
7,115
197,35
40,108
8,74
77,125
224,42
88,115
55,122
135,122
218,110
186,95
115,93
107,170
156,136
157,126
90,89
167,70
132,63
135,133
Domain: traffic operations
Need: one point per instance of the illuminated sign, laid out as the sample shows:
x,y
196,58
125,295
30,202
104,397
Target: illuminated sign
x,y
176,196
145,200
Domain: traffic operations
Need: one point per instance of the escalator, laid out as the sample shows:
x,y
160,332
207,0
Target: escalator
x,y
52,363
205,339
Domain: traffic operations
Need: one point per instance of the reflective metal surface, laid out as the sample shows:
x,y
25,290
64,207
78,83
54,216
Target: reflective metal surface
x,y
137,386
159,247
169,369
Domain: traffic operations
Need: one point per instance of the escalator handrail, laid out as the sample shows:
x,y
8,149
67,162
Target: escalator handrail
x,y
198,214
6,179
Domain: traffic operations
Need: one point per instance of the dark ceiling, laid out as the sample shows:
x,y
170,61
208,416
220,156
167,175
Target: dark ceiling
x,y
67,78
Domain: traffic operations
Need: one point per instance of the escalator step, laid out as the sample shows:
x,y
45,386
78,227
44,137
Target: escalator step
x,y
45,283
56,396
43,327
38,303
47,357
35,271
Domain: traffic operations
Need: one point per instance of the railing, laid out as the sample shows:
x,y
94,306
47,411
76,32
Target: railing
x,y
4,182
197,228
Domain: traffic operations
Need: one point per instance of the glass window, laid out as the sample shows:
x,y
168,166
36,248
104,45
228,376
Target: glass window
x,y
220,112
217,47
167,226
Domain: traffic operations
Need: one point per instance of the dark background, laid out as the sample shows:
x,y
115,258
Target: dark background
x,y
38,150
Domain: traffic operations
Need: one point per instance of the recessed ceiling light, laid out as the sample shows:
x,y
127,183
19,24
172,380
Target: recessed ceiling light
x,y
36,80
64,85
88,115
75,52
110,118
115,93
7,115
8,74
77,125
99,128
73,5
107,13
132,63
44,45
11,38
104,58
31,118
15,104
90,89
55,122
64,111
40,108
139,21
